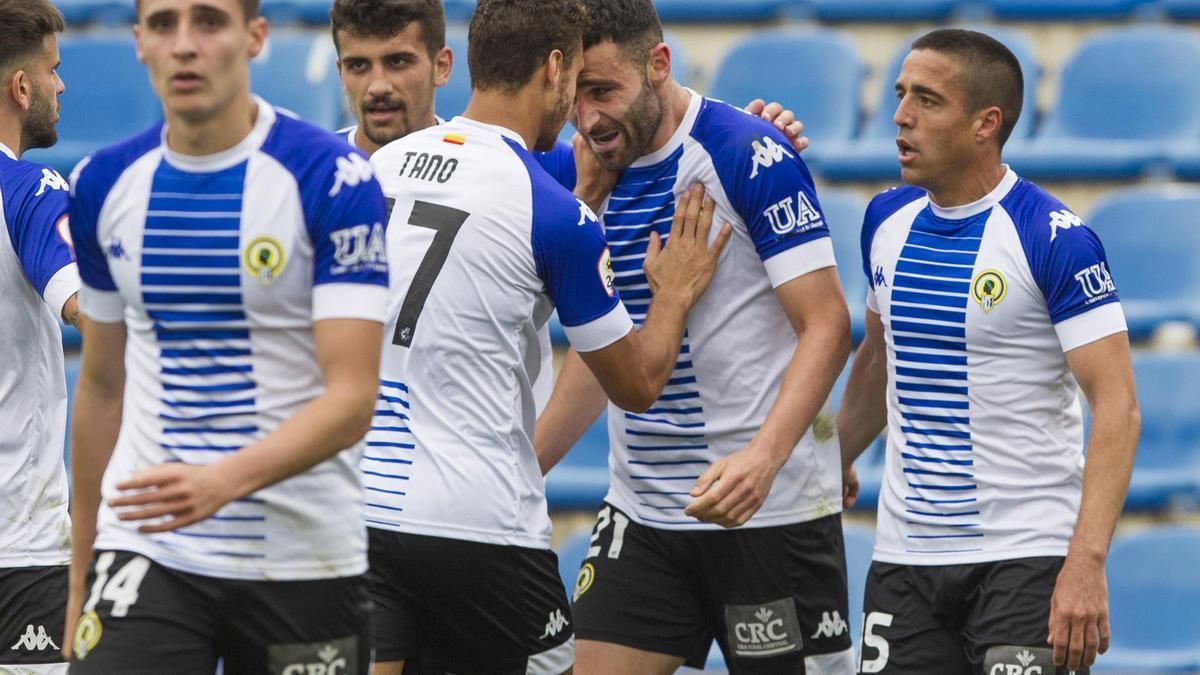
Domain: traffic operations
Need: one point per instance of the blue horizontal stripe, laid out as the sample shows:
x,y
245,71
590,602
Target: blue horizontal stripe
x,y
912,297
394,385
385,444
233,554
924,284
208,370
386,460
928,314
662,508
927,343
615,236
931,270
203,448
680,397
661,492
966,435
934,403
634,477
942,501
930,374
390,413
633,293
236,403
966,228
182,260
662,434
218,203
941,359
386,475
240,519
957,526
659,448
210,430
371,521
236,537
156,279
938,256
208,417
681,425
917,486
943,536
190,224
929,329
943,474
389,492
193,298
228,243
945,419
384,506
674,411
946,241
181,334
955,514
397,429
197,316
232,386
930,388
938,460
935,446
394,399
176,353
667,463
687,379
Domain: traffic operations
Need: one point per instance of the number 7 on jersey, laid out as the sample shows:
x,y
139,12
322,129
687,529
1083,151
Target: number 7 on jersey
x,y
445,222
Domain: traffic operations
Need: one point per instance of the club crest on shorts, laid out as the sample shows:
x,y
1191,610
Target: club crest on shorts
x,y
87,635
587,574
328,657
988,289
264,259
767,629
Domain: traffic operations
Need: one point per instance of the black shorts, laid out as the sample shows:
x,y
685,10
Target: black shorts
x,y
143,618
33,604
774,598
945,618
448,605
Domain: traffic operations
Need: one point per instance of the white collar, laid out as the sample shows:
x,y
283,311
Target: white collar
x,y
226,158
685,128
4,148
979,205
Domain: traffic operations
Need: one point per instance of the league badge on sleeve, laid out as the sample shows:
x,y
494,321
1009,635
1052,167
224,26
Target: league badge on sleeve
x,y
988,289
607,276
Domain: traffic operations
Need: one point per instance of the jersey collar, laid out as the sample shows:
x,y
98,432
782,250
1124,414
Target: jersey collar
x,y
980,205
5,149
226,158
503,131
685,128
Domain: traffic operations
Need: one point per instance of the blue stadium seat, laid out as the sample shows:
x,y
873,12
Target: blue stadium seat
x,y
452,97
1154,593
111,12
843,210
1152,240
580,480
280,12
297,71
1052,10
815,72
883,10
869,465
1182,9
459,11
108,98
71,338
874,156
1124,98
860,546
696,11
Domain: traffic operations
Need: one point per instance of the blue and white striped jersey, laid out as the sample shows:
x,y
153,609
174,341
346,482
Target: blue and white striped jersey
x,y
484,246
979,303
219,266
37,277
738,341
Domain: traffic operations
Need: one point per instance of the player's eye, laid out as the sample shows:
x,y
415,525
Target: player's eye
x,y
160,23
398,61
356,66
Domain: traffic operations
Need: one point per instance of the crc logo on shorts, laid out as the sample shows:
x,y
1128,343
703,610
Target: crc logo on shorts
x,y
587,574
763,630
766,154
331,657
790,214
988,289
87,634
34,640
1015,660
264,259
1095,281
607,276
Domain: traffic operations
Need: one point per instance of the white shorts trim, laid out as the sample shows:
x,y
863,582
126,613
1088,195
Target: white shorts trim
x,y
553,661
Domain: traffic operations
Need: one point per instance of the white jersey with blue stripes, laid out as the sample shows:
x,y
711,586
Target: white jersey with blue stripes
x,y
738,341
484,245
979,303
219,266
37,277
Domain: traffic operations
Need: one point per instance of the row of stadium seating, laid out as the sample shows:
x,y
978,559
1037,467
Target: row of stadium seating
x,y
317,11
1128,101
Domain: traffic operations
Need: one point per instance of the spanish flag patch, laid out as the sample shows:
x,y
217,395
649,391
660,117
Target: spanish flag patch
x,y
456,139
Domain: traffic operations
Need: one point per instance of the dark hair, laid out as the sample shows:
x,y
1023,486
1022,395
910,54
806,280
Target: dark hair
x,y
23,26
385,18
632,24
508,40
991,73
249,8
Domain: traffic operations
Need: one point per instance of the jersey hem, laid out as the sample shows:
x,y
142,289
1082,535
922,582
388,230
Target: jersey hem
x,y
35,560
759,520
1090,326
601,332
792,263
443,531
102,306
61,287
349,301
984,557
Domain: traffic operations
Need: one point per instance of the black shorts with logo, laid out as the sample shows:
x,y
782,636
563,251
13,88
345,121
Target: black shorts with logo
x,y
449,605
33,604
945,618
141,618
774,598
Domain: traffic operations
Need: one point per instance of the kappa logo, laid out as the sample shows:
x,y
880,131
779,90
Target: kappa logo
x,y
34,640
790,214
351,170
585,214
766,153
556,623
832,625
1063,220
1095,281
880,279
52,180
358,245
115,250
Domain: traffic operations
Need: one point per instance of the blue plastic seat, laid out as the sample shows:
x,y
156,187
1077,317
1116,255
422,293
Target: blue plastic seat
x,y
1182,9
73,365
843,211
873,157
883,10
108,98
698,11
110,12
580,480
452,97
297,71
816,73
1057,10
1154,593
280,12
1152,239
1124,98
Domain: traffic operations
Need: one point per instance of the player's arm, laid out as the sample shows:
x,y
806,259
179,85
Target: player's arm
x,y
577,400
733,488
1079,626
863,413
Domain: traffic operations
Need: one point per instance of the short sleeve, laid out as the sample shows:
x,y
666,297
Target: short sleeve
x,y
559,163
36,206
98,296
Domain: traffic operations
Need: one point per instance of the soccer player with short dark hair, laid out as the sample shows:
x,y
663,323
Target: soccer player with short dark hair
x,y
990,300
234,287
722,517
39,282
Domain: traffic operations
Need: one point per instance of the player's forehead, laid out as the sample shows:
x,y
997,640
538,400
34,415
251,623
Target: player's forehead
x,y
151,8
410,40
929,69
606,63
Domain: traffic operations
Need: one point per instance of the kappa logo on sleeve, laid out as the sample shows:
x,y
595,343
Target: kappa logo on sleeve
x,y
51,180
766,154
1063,220
351,171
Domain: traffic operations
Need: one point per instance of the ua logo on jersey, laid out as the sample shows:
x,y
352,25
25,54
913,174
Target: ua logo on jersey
x,y
34,641
832,625
1063,220
766,153
51,179
1095,281
556,623
358,245
351,170
788,214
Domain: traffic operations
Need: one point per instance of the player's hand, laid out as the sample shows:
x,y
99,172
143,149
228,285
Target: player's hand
x,y
783,119
183,494
1079,613
687,263
734,488
593,183
849,486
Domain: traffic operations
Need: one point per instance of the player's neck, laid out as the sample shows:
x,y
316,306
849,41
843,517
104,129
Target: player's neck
x,y
10,135
971,187
520,112
675,100
214,134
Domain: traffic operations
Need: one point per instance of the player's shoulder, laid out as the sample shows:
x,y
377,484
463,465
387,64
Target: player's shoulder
x,y
319,160
885,204
730,133
21,176
98,171
553,205
1039,217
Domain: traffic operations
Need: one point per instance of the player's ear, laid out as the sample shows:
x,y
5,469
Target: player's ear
x,y
137,42
18,88
443,63
659,63
555,69
258,35
987,123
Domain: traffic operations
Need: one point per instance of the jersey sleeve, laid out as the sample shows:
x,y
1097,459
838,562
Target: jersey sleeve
x,y
572,260
347,225
98,296
772,190
559,163
36,213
